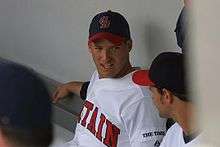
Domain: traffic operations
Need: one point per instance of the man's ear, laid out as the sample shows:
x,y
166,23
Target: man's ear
x,y
168,96
89,47
129,44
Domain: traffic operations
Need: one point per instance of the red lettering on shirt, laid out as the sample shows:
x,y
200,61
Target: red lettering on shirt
x,y
89,106
111,133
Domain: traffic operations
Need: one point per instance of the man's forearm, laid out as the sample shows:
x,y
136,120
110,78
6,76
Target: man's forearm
x,y
75,87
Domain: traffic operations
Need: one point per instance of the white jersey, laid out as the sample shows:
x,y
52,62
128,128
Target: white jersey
x,y
174,138
118,113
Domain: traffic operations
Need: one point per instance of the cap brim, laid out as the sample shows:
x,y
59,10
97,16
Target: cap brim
x,y
142,78
115,39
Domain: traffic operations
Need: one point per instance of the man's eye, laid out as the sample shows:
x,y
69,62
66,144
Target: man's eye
x,y
115,48
98,48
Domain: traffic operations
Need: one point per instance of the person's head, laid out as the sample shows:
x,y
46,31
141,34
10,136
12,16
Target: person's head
x,y
168,77
25,108
182,29
109,44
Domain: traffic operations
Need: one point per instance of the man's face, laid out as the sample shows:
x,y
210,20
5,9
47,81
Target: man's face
x,y
111,60
159,102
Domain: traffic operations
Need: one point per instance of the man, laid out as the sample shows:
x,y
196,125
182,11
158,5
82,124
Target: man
x,y
117,112
167,84
182,30
25,108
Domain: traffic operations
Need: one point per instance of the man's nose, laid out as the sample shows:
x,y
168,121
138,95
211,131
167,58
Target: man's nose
x,y
106,54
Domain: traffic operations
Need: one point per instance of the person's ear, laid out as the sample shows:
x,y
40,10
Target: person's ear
x,y
129,44
90,47
167,96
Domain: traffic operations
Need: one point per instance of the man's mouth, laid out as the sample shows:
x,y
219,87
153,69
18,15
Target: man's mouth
x,y
107,66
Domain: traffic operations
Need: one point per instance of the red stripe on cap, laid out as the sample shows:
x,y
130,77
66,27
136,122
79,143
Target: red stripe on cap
x,y
115,39
141,77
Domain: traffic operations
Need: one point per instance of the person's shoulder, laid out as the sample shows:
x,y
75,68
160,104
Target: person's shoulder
x,y
173,131
174,128
172,136
141,81
94,76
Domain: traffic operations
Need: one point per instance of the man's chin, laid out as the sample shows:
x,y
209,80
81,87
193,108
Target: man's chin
x,y
162,115
107,73
107,76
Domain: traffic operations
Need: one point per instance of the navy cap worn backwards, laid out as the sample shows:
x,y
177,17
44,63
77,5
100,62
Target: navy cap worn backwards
x,y
167,71
109,25
24,102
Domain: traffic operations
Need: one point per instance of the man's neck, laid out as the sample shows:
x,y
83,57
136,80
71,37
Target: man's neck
x,y
128,69
184,115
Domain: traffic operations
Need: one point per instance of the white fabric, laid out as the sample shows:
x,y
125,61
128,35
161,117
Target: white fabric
x,y
174,138
128,107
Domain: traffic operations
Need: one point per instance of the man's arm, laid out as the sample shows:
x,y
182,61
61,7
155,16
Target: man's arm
x,y
68,88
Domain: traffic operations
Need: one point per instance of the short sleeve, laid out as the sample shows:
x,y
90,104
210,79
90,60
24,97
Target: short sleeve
x,y
83,90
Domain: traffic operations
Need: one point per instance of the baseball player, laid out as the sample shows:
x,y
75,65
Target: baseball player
x,y
118,111
169,95
25,108
182,26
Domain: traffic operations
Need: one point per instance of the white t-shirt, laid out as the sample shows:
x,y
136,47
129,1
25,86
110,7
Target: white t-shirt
x,y
118,113
174,138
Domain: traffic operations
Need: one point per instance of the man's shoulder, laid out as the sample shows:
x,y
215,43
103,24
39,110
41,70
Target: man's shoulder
x,y
173,135
125,91
175,128
140,80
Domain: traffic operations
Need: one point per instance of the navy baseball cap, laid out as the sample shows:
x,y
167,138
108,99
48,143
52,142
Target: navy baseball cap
x,y
166,71
25,103
109,25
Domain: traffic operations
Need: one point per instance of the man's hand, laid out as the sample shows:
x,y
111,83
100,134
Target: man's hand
x,y
65,89
61,92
